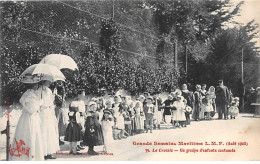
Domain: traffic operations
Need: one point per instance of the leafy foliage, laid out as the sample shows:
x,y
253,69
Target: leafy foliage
x,y
213,51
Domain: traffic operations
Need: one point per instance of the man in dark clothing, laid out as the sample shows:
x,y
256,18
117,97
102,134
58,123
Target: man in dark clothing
x,y
222,100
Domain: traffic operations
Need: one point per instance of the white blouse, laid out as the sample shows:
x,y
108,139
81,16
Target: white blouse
x,y
30,101
45,94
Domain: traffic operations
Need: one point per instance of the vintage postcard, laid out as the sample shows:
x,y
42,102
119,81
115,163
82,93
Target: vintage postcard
x,y
122,80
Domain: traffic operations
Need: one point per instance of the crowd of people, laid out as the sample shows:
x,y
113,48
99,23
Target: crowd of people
x,y
101,121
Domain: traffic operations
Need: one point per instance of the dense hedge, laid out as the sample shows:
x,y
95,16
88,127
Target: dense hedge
x,y
99,68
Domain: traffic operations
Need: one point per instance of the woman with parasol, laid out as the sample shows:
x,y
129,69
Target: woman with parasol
x,y
28,128
49,126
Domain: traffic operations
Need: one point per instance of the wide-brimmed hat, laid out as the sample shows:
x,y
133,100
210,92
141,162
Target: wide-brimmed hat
x,y
30,79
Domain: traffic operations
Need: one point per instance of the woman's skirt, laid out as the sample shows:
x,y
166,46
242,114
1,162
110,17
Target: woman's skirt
x,y
49,129
28,131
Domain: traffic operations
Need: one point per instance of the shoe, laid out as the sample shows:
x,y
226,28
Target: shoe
x,y
51,156
61,142
77,153
71,152
79,147
4,131
92,152
45,157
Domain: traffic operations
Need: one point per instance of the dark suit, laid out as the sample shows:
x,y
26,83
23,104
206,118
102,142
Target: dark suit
x,y
222,100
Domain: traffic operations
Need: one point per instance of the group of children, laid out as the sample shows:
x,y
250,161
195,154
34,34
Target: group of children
x,y
120,117
105,122
101,122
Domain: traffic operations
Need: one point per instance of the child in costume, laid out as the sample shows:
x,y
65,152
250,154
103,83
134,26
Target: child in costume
x,y
73,131
107,129
149,110
233,110
139,121
93,132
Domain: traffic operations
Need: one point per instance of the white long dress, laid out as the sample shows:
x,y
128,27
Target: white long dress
x,y
179,114
120,124
49,125
157,114
28,129
139,121
107,133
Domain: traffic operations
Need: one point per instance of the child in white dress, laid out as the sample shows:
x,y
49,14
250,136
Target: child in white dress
x,y
107,128
233,110
139,114
179,115
119,119
208,106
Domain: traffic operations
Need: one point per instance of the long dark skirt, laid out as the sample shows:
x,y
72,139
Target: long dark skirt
x,y
73,132
93,138
187,114
99,134
196,111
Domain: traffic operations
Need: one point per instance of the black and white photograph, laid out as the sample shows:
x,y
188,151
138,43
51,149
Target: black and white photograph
x,y
130,80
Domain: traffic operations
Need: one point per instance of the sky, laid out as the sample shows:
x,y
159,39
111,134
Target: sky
x,y
249,10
